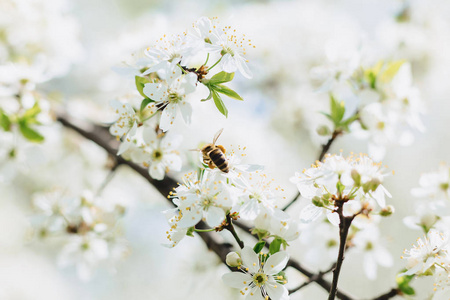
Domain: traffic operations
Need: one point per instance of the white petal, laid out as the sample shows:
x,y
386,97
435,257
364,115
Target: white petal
x,y
333,218
310,213
186,111
276,263
215,216
254,294
276,292
370,267
157,171
243,68
383,257
149,136
249,210
171,142
168,116
173,161
250,259
190,217
155,91
237,280
228,63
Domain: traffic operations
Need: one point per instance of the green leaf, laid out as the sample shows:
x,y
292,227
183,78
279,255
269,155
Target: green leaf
x,y
391,70
226,91
210,93
275,245
145,102
261,233
259,246
140,83
30,116
221,77
337,110
340,187
345,124
219,104
5,122
403,284
30,134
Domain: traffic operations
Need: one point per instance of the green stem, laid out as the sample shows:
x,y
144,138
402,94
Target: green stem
x,y
214,64
207,58
183,70
204,230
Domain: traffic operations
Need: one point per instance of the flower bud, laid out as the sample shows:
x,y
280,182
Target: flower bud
x,y
387,211
317,201
356,177
428,220
323,130
371,185
233,259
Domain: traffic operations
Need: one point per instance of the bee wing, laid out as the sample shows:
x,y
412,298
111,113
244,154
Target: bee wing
x,y
216,136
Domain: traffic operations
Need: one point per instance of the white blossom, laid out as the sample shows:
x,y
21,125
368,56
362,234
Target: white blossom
x,y
259,278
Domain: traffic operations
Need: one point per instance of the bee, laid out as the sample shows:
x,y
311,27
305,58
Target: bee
x,y
214,155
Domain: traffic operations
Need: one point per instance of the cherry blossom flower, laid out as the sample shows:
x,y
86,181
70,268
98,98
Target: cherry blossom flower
x,y
158,153
260,277
429,253
203,198
353,179
170,95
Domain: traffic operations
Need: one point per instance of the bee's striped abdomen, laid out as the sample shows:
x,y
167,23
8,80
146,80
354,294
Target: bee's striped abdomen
x,y
219,159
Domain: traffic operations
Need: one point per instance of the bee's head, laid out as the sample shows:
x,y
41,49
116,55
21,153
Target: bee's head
x,y
207,148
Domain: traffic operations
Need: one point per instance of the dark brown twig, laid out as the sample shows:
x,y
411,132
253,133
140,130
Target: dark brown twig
x,y
344,226
325,149
391,294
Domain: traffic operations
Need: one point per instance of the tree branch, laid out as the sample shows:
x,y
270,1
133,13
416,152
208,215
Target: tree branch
x,y
325,149
344,226
101,137
391,294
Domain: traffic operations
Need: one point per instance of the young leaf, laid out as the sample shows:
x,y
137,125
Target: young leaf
x,y
259,246
210,93
391,70
31,114
5,122
145,102
337,110
226,91
275,246
140,82
30,134
403,284
219,104
221,77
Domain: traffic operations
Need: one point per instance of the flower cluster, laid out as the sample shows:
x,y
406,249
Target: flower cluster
x,y
214,196
378,103
261,275
37,43
169,73
87,225
354,181
430,257
144,144
433,207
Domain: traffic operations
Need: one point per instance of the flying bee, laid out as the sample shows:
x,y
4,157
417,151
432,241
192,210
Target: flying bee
x,y
214,155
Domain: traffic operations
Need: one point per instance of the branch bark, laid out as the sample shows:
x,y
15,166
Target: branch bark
x,y
101,137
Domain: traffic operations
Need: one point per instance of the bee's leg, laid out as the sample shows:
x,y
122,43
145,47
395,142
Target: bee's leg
x,y
211,165
222,148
